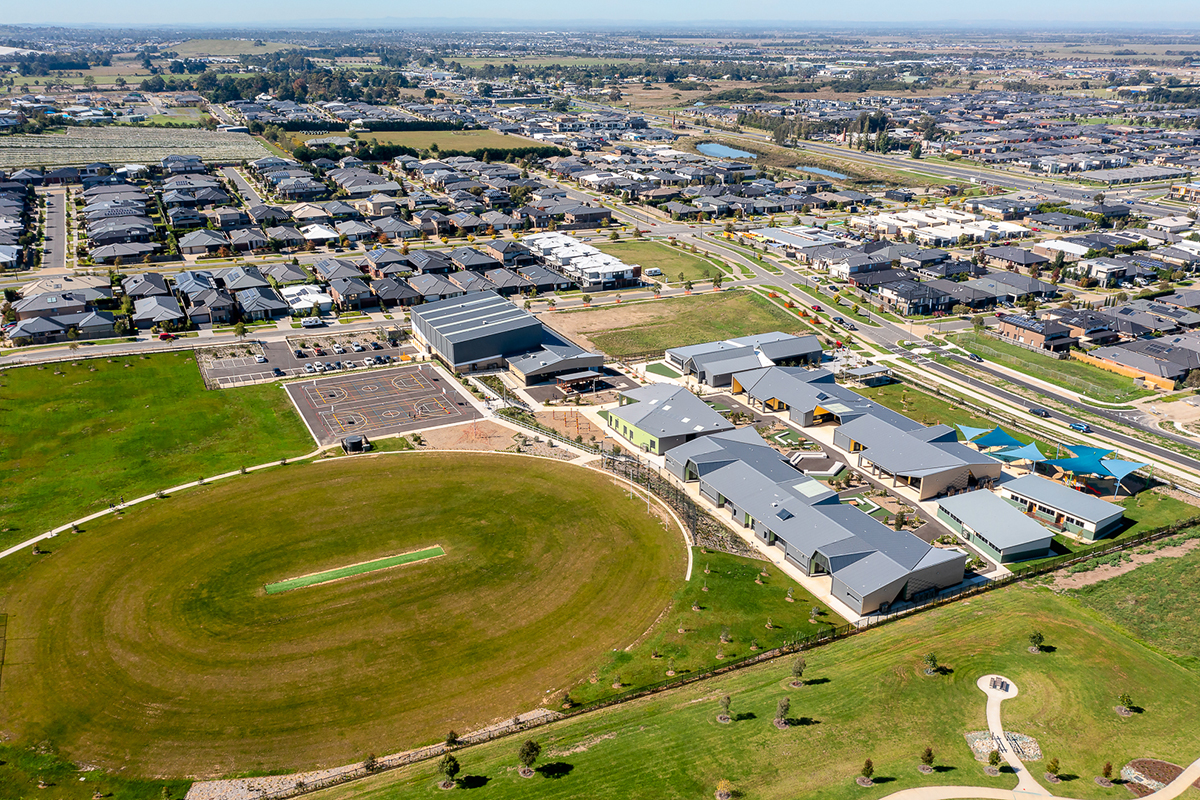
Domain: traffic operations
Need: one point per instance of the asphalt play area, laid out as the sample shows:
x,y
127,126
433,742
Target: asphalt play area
x,y
379,402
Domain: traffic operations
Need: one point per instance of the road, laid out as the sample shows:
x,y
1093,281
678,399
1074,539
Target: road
x,y
54,257
252,197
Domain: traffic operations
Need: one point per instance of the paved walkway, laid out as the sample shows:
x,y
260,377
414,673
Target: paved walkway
x,y
1027,787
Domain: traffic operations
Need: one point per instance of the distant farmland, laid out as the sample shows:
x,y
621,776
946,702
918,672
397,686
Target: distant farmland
x,y
123,145
449,140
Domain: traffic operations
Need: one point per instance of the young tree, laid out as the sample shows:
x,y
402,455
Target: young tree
x,y
1125,700
449,767
781,709
529,753
1107,771
1052,766
239,330
927,757
725,701
1036,640
451,739
994,758
931,663
798,667
868,769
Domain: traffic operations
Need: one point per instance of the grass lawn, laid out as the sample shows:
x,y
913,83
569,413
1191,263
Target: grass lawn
x,y
21,768
734,604
662,369
867,697
929,409
71,443
448,140
148,643
673,261
1157,604
1070,374
696,319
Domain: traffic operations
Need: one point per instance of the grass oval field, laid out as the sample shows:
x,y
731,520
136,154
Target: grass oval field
x,y
149,643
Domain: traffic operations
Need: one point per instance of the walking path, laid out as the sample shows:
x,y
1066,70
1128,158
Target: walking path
x,y
1027,787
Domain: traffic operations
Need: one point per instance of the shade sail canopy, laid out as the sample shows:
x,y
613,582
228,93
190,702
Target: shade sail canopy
x,y
970,433
997,437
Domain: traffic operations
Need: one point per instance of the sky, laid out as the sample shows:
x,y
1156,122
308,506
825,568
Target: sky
x,y
491,13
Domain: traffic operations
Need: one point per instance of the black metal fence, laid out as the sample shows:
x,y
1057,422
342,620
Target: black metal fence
x,y
673,496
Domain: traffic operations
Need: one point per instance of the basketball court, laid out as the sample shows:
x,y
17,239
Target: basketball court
x,y
379,402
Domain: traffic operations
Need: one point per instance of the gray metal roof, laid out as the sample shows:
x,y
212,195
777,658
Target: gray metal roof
x,y
473,316
995,519
914,452
1063,498
664,411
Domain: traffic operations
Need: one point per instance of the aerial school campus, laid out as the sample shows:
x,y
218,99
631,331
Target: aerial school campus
x,y
608,479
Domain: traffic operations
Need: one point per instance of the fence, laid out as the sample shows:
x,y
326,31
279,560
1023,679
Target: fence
x,y
796,645
515,416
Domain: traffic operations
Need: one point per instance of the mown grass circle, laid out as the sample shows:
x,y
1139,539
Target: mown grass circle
x,y
150,644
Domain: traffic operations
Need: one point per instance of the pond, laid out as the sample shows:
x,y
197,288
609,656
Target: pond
x,y
827,173
718,150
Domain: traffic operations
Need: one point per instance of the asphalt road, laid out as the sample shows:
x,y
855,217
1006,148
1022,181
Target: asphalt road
x,y
247,190
55,256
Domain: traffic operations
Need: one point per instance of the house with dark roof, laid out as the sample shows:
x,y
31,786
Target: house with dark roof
x,y
260,303
351,293
507,282
469,258
145,284
394,292
1009,257
1035,334
151,310
431,262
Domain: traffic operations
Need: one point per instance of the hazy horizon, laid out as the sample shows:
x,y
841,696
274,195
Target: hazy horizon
x,y
1026,14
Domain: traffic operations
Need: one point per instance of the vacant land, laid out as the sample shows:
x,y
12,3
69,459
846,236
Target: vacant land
x,y
148,643
228,47
866,697
1158,604
71,443
124,144
677,264
448,140
651,327
1070,374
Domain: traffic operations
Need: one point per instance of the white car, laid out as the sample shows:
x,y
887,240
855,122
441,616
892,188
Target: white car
x,y
260,359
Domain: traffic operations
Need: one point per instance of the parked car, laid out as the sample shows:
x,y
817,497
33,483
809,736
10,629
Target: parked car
x,y
975,358
1082,427
277,372
356,347
260,359
816,307
1040,412
312,322
298,353
309,368
337,348
368,362
850,326
318,351
329,366
376,346
839,320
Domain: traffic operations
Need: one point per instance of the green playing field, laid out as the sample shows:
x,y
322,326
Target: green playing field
x,y
353,569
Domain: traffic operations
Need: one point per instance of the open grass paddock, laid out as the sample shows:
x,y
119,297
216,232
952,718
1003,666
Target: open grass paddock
x,y
147,644
449,140
72,443
866,697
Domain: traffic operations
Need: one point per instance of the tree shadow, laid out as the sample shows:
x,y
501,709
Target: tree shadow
x,y
474,781
942,671
1006,770
555,770
816,681
877,779
1136,710
944,768
745,716
1048,648
804,722
1066,776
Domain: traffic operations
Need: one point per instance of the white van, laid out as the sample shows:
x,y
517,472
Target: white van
x,y
653,271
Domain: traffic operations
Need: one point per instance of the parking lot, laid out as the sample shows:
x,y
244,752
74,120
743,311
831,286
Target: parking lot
x,y
246,369
379,402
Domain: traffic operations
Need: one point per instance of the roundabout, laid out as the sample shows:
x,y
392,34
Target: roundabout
x,y
149,643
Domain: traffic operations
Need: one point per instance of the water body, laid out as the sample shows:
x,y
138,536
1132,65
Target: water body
x,y
717,150
827,173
